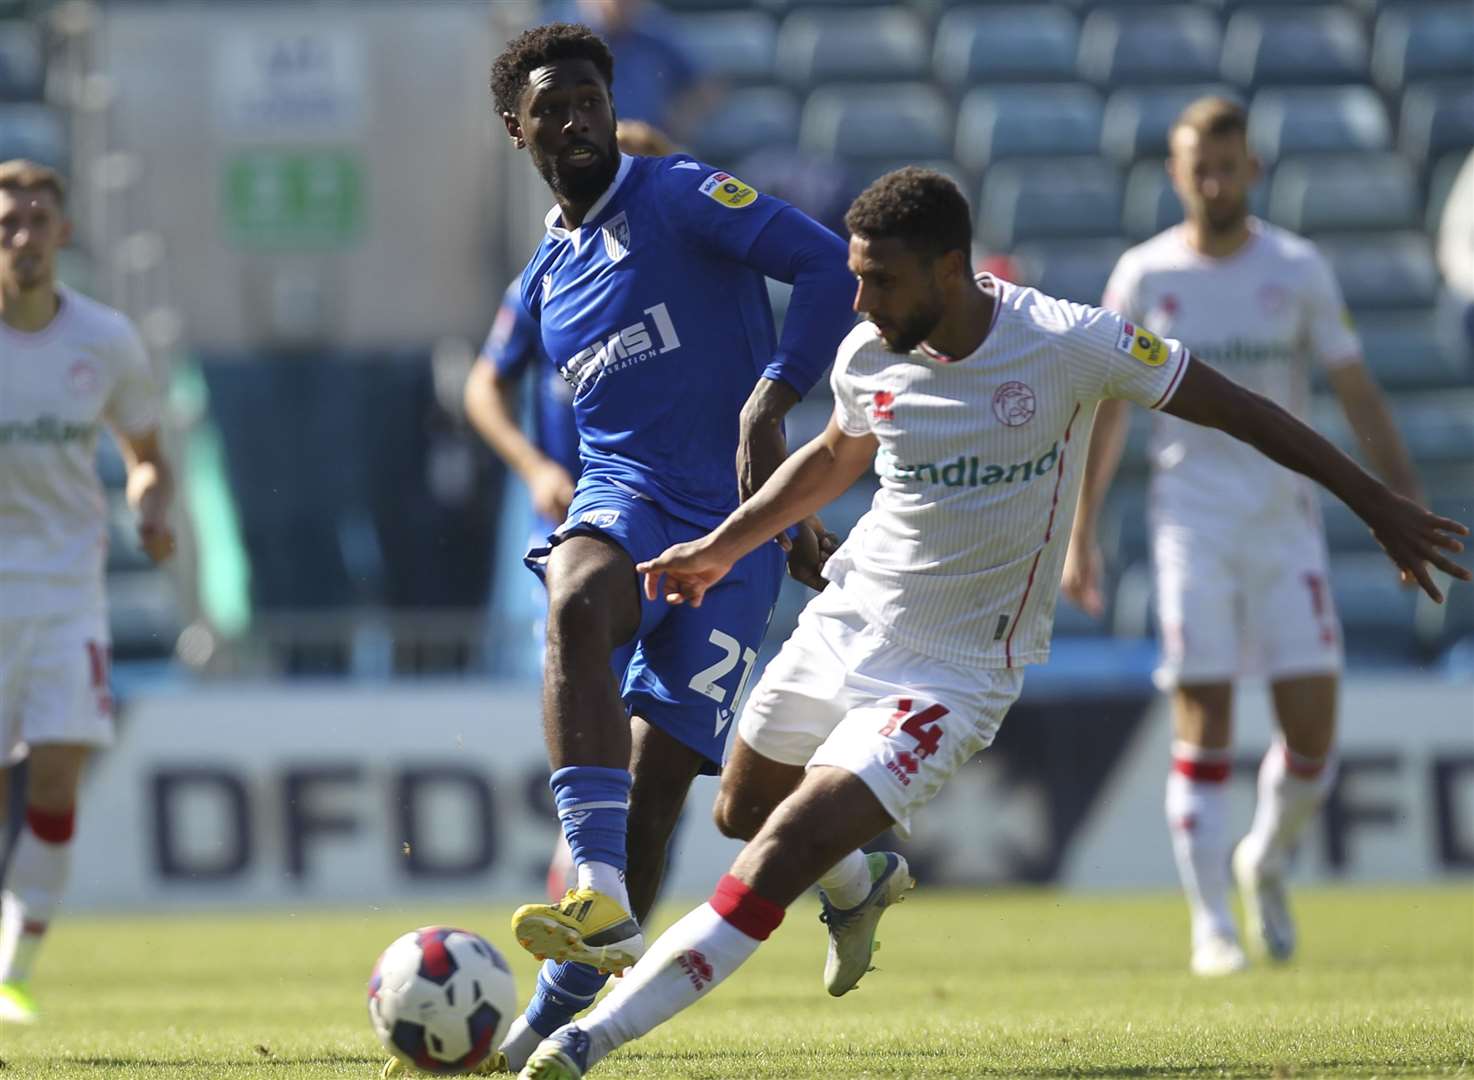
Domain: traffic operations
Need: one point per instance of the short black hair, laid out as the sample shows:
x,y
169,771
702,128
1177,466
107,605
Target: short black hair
x,y
921,207
539,47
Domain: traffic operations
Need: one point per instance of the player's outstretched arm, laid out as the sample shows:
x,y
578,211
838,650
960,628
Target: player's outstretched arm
x,y
1081,582
815,475
1376,432
1412,537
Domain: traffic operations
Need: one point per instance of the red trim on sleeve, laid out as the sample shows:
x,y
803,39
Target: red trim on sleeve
x,y
1176,376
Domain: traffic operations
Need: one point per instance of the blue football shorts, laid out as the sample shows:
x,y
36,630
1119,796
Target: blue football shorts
x,y
686,669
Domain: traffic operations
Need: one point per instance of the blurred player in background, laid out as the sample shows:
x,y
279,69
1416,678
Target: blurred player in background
x,y
648,290
547,462
67,365
971,396
1237,543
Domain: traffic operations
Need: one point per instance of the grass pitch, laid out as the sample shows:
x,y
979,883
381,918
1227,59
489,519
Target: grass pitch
x,y
996,985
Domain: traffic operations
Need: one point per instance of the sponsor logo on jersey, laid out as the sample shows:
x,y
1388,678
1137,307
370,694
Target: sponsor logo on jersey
x,y
882,405
82,377
1140,343
616,234
1014,404
965,471
1242,351
49,430
728,190
626,347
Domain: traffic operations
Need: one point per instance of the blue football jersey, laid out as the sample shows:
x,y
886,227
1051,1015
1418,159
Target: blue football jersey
x,y
514,346
651,314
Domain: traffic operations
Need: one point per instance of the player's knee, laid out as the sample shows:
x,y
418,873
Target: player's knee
x,y
738,818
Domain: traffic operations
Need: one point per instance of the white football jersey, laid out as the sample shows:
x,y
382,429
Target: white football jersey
x,y
1261,316
57,387
980,460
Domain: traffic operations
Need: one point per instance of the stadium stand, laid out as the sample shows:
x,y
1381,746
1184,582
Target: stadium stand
x,y
1020,43
1048,199
1168,44
1367,191
736,46
1313,120
1275,46
1026,121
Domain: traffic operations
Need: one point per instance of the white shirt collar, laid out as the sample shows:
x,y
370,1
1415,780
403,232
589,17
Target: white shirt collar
x,y
555,215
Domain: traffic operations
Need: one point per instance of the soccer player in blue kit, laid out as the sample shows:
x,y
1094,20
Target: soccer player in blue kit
x,y
648,290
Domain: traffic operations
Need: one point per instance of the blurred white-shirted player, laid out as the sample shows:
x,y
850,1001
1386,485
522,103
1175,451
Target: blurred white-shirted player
x,y
972,398
67,366
1239,554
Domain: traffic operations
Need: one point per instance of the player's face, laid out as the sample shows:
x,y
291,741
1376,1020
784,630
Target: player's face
x,y
32,228
566,121
898,290
1212,175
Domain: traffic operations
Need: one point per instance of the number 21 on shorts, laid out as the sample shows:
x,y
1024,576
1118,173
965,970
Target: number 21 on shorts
x,y
920,725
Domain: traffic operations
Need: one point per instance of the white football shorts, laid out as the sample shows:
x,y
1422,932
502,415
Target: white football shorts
x,y
840,694
54,685
1249,600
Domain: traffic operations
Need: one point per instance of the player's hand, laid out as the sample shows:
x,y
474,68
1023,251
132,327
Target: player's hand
x,y
156,539
1081,580
551,489
1415,539
692,568
809,552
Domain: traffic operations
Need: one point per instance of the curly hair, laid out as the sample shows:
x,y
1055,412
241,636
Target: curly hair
x,y
539,47
922,208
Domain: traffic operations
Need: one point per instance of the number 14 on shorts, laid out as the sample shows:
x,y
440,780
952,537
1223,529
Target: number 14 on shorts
x,y
919,724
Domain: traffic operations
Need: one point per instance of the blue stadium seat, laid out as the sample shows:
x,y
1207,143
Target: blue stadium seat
x,y
902,120
1437,118
1355,191
1125,46
734,45
746,120
1071,270
1423,41
1439,430
1406,351
1440,183
1152,205
1296,45
1048,198
869,169
35,132
1318,120
22,63
1137,120
1035,43
1383,271
1376,611
1027,121
840,45
683,6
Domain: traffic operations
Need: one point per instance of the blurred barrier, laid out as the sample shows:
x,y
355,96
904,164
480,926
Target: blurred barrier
x,y
240,796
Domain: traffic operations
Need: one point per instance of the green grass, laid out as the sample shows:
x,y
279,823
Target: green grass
x,y
997,985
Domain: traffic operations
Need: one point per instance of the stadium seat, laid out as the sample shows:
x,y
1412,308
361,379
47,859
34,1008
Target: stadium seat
x,y
1440,183
1381,271
1405,350
1361,191
1048,198
22,63
35,132
1035,43
1296,45
746,120
1437,118
1027,121
867,170
903,120
1071,270
1376,611
1423,41
1439,429
683,6
1126,46
1137,120
1152,205
1317,120
737,46
831,45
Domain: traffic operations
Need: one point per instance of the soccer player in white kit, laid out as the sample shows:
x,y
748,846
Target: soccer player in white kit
x,y
973,398
1240,559
67,365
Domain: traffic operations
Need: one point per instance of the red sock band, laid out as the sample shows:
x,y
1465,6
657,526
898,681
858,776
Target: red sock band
x,y
1303,767
745,909
1212,772
54,828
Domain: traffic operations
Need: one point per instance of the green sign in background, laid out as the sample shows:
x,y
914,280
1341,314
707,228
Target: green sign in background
x,y
293,198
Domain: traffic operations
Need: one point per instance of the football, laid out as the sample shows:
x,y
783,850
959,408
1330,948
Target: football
x,y
441,999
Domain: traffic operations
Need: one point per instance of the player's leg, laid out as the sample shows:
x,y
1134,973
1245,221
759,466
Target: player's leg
x,y
1197,609
39,868
663,769
1298,623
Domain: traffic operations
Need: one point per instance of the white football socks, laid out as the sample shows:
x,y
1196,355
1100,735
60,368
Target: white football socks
x,y
1197,817
606,879
1292,788
33,889
848,882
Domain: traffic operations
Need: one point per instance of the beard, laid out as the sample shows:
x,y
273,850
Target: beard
x,y
580,185
908,335
1226,219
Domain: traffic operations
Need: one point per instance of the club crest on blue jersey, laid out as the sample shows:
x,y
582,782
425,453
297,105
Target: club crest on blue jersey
x,y
616,233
